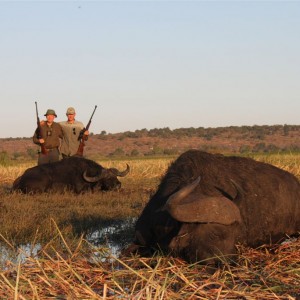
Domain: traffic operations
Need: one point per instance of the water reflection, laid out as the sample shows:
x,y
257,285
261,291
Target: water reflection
x,y
8,255
115,235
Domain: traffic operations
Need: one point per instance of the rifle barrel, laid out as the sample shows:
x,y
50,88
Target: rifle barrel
x,y
80,137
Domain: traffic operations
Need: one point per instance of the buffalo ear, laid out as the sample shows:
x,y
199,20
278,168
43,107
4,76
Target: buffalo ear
x,y
188,207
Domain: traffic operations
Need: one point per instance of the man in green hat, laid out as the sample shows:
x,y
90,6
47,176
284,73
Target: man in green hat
x,y
49,135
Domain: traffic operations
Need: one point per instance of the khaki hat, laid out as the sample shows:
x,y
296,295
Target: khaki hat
x,y
50,112
70,111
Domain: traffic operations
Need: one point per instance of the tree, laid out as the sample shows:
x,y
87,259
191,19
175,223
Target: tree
x,y
118,152
134,152
286,130
31,153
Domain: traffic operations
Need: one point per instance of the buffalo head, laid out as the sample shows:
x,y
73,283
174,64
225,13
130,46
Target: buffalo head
x,y
107,179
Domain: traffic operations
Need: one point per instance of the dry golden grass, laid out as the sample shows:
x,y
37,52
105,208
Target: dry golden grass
x,y
266,273
21,216
155,167
10,173
68,267
288,162
26,217
139,169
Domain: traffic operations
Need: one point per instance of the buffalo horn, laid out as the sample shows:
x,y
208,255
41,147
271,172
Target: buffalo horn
x,y
106,172
120,173
189,208
92,178
240,191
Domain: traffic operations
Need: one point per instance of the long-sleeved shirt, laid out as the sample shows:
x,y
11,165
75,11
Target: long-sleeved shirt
x,y
51,135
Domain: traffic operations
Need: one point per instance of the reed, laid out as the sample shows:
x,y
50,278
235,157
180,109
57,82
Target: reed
x,y
68,266
93,273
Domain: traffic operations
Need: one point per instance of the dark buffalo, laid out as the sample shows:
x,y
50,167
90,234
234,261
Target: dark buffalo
x,y
76,174
208,203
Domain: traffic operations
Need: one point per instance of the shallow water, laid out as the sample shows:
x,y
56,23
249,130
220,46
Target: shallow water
x,y
114,236
8,255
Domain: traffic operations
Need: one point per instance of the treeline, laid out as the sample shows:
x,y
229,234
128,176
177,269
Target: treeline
x,y
257,148
164,141
233,139
255,132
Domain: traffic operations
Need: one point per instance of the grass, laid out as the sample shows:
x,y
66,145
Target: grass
x,y
288,162
265,273
69,267
26,217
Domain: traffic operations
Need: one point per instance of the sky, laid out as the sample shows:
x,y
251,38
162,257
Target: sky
x,y
149,64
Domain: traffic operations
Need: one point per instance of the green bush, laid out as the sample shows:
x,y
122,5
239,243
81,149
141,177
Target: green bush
x,y
4,158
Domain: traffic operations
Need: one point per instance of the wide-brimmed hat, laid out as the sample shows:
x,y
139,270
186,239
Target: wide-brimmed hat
x,y
50,112
70,111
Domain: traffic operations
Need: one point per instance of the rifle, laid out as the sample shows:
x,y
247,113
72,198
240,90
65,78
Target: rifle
x,y
39,130
80,137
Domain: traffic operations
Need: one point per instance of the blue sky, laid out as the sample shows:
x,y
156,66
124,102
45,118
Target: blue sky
x,y
150,64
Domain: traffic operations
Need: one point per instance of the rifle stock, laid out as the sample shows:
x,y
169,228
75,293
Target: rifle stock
x,y
80,148
81,135
39,131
